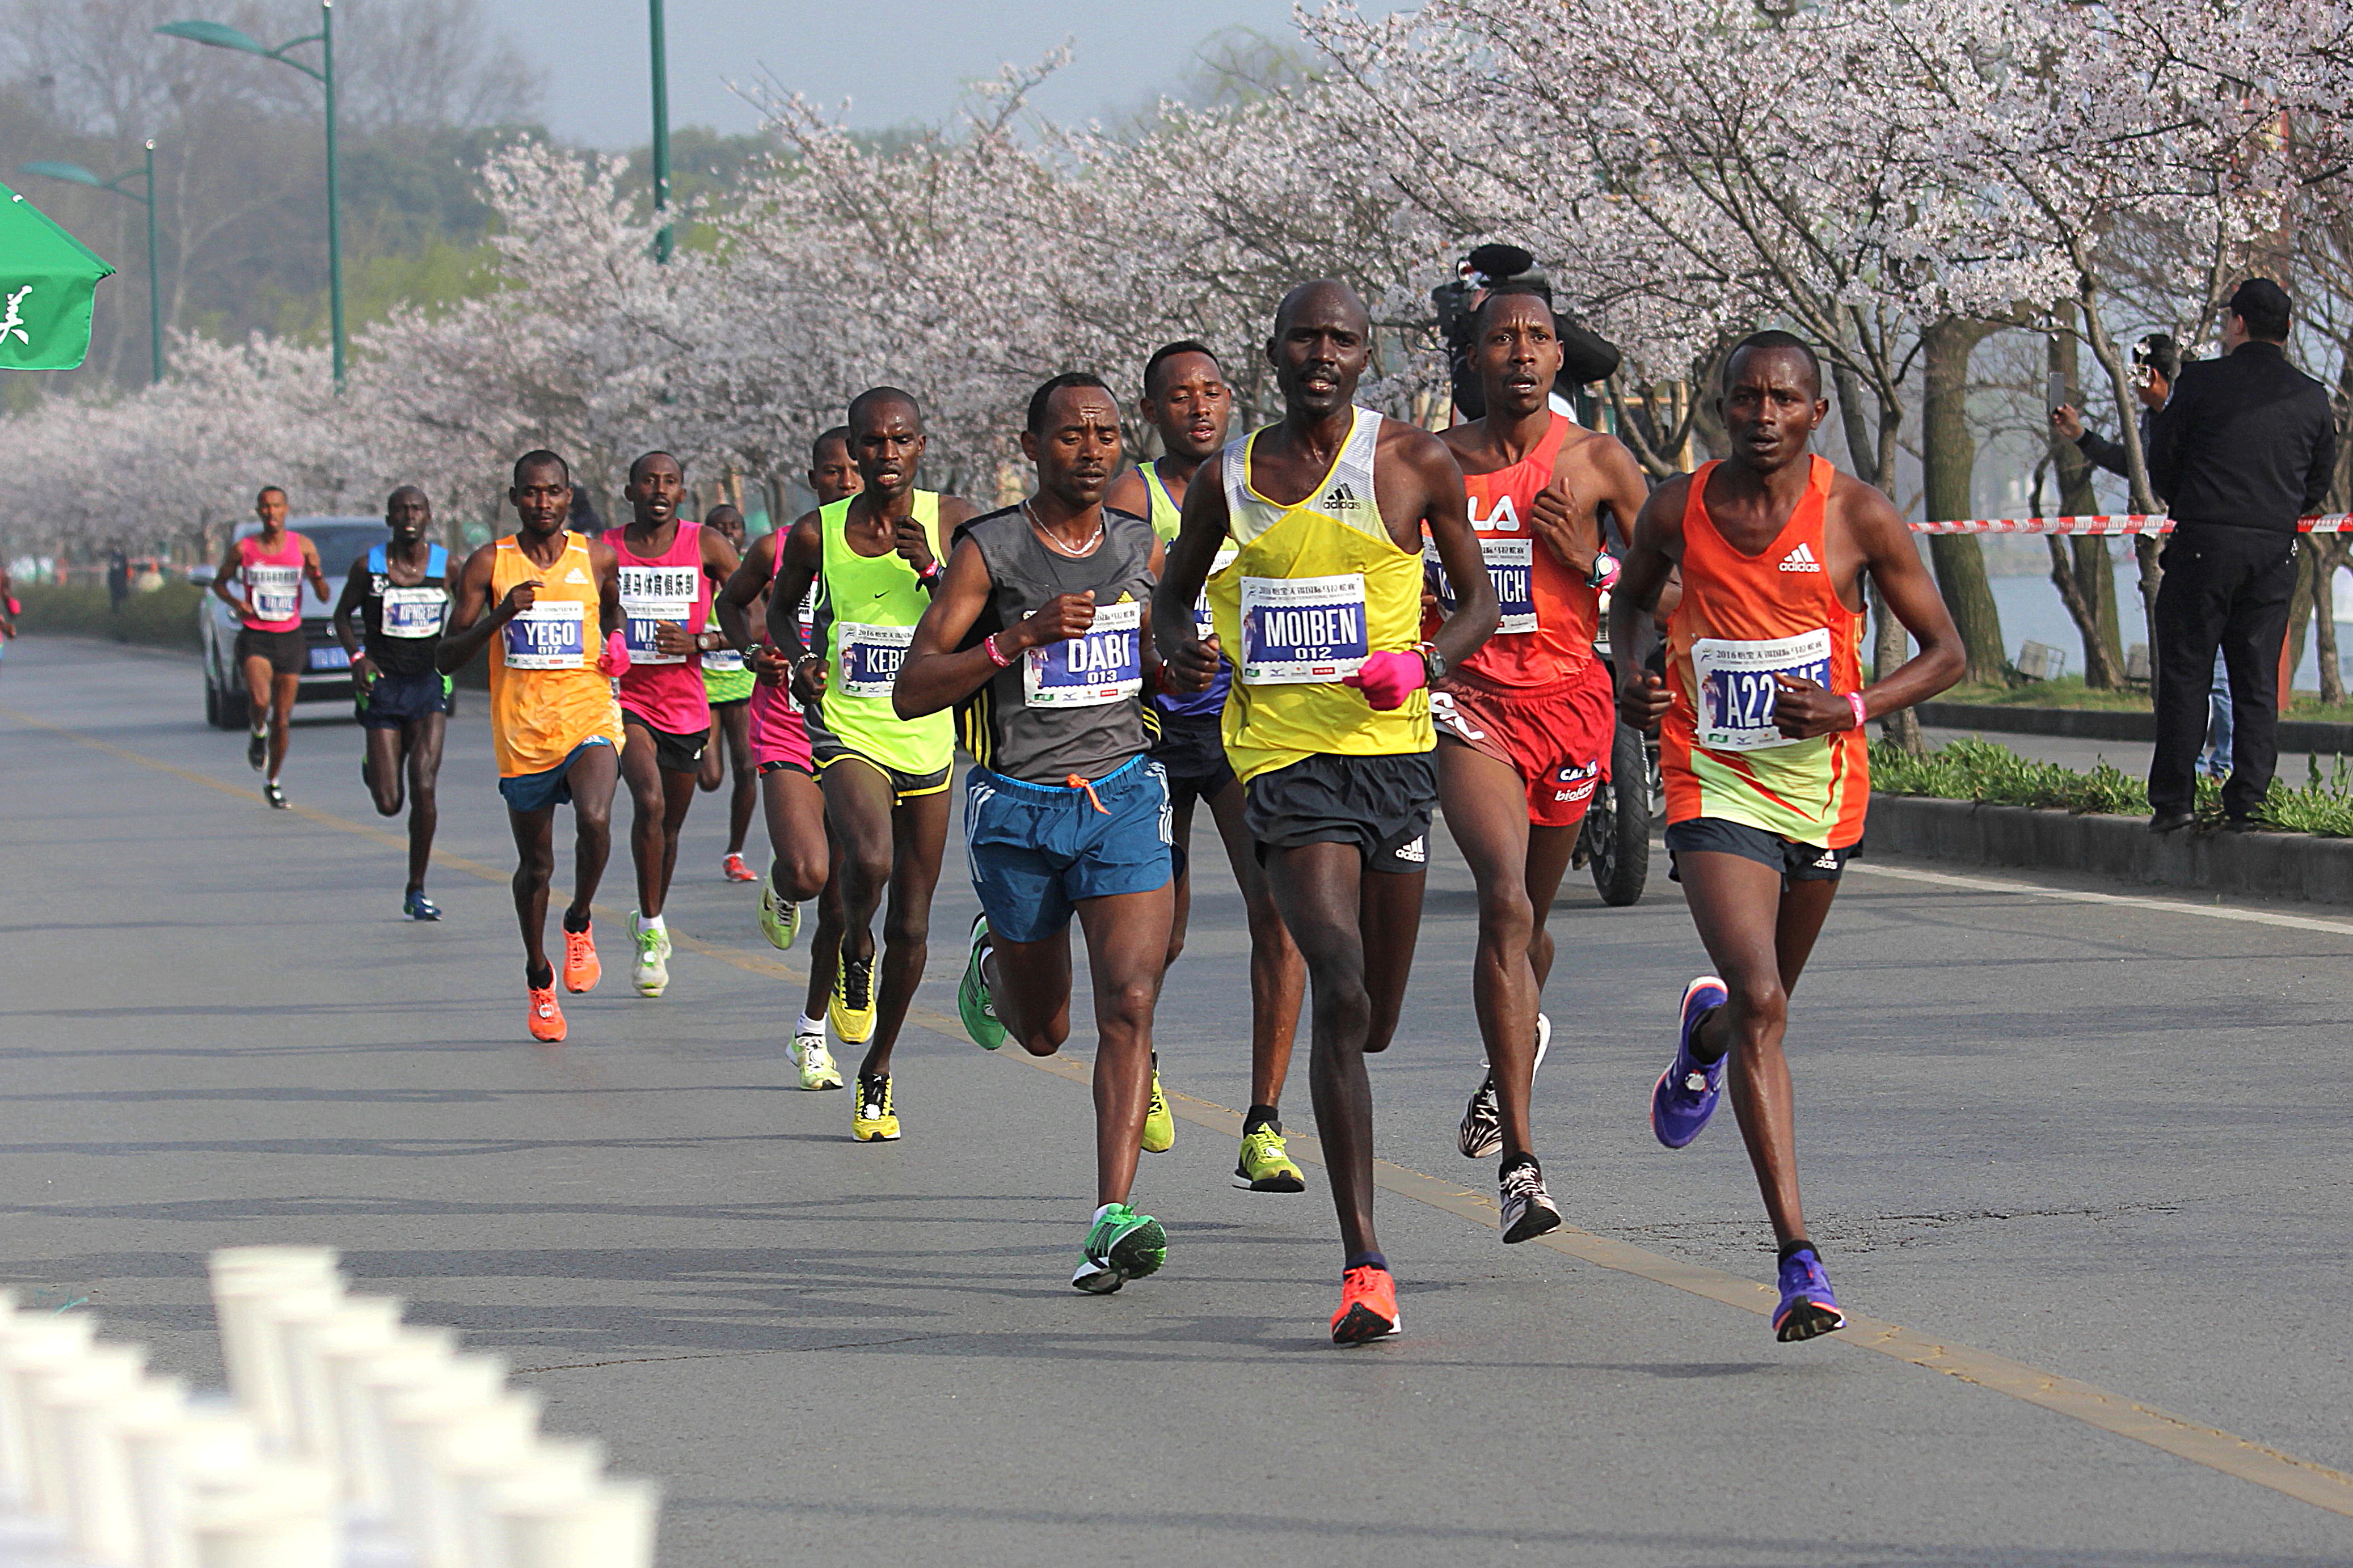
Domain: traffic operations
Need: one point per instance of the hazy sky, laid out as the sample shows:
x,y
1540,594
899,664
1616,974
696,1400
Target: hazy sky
x,y
897,60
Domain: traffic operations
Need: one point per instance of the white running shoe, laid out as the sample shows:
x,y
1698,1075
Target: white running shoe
x,y
1481,1136
815,1062
650,974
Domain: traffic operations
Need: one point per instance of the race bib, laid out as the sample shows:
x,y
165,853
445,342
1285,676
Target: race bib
x,y
547,635
651,595
870,657
276,592
1298,630
1735,688
724,661
414,612
1510,562
1105,665
1205,624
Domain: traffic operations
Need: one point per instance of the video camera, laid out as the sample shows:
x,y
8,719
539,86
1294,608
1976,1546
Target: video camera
x,y
1585,355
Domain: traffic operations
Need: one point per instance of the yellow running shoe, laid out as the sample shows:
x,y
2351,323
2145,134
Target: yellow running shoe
x,y
850,1008
872,1119
1264,1166
1159,1127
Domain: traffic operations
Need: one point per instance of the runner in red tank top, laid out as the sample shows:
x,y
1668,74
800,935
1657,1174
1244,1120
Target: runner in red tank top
x,y
667,570
1524,725
1763,744
261,578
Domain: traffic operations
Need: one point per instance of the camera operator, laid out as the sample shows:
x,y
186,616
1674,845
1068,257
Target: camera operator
x,y
1586,356
2245,446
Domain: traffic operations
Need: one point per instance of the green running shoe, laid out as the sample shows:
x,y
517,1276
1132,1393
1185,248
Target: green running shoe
x,y
780,918
1265,1166
973,1000
1159,1127
1121,1245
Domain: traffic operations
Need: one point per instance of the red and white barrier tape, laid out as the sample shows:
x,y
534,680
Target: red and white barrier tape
x,y
2121,522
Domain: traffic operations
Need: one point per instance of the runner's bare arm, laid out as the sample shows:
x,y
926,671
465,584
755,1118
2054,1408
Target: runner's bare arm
x,y
804,549
932,676
226,575
314,570
473,621
1192,663
355,590
1887,553
605,562
1446,514
1127,494
1657,545
743,589
1598,474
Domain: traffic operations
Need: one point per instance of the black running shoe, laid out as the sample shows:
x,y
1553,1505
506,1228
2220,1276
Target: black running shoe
x,y
273,794
1528,1210
256,750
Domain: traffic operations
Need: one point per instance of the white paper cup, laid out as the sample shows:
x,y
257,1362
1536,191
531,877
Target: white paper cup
x,y
102,1374
413,1419
31,1344
171,1454
554,1468
491,1439
274,1514
416,1356
101,1510
306,1336
250,1305
612,1527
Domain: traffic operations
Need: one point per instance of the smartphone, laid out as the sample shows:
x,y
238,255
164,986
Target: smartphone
x,y
2056,391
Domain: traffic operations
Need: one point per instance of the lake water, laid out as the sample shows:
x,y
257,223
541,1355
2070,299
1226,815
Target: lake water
x,y
2030,612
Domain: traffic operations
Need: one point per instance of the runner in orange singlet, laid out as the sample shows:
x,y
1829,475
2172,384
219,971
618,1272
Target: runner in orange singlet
x,y
548,602
1763,747
1524,725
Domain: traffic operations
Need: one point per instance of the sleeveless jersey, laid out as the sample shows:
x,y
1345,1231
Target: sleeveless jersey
x,y
867,607
401,626
665,689
1743,619
547,696
1167,515
1313,588
273,581
1549,614
1072,707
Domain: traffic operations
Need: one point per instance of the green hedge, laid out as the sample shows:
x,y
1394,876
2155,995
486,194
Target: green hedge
x,y
165,618
1982,771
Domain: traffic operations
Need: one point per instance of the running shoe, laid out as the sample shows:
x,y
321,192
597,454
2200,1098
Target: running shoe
x,y
1481,1136
581,969
1122,1245
256,750
650,974
1686,1095
973,1000
780,918
546,1019
1528,1210
1369,1308
1159,1127
1265,1165
273,794
872,1119
815,1062
850,1008
734,870
417,906
1808,1308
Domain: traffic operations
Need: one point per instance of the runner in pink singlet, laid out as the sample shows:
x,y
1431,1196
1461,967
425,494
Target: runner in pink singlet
x,y
261,579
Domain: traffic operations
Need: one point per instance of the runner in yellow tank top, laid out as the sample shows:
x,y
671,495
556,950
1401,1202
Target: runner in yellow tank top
x,y
1774,547
547,602
1328,722
885,780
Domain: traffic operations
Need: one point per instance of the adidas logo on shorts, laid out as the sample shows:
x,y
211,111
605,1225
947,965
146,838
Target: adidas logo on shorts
x,y
1414,852
1827,860
1802,559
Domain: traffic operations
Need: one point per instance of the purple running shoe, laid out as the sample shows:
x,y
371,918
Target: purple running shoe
x,y
1686,1092
1807,1307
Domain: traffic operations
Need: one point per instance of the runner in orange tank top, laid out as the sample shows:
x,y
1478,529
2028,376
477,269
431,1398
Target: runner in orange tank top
x,y
547,602
1525,724
1762,744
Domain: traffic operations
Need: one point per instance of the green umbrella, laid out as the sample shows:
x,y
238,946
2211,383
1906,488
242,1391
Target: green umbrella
x,y
46,279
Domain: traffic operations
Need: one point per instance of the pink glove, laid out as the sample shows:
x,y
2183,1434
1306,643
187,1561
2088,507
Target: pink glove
x,y
1386,679
617,655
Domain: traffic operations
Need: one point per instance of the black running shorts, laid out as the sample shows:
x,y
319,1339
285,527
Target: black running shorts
x,y
1191,751
1381,804
673,753
1796,862
289,653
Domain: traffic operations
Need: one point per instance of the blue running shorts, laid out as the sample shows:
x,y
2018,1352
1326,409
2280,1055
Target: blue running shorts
x,y
527,793
1036,850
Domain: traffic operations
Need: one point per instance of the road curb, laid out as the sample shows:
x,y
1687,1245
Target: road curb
x,y
2259,865
2104,724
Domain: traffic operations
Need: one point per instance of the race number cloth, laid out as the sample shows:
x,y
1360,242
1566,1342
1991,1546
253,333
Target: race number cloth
x,y
401,623
272,578
867,607
1314,586
665,689
1744,619
1104,665
413,613
1550,613
547,697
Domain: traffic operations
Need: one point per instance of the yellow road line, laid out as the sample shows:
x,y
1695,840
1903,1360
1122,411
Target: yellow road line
x,y
2078,1401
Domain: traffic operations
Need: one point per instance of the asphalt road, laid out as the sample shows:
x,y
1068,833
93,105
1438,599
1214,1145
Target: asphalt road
x,y
2076,1163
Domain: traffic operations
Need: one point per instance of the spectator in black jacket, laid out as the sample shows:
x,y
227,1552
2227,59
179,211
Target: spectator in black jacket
x,y
2244,447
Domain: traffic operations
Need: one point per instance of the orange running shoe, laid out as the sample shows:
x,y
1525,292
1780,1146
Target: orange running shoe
x,y
734,869
1369,1308
581,970
546,1019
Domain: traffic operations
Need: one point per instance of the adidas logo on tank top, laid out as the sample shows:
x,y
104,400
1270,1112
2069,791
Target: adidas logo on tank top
x,y
1802,559
1340,498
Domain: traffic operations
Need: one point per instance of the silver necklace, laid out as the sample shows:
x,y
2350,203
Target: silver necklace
x,y
1050,537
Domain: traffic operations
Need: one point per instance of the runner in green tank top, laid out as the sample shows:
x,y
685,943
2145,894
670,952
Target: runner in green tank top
x,y
874,558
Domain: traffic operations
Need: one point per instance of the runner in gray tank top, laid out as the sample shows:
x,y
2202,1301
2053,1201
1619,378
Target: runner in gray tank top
x,y
1040,637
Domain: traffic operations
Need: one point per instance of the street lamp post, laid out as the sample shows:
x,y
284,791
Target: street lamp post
x,y
81,176
661,123
221,36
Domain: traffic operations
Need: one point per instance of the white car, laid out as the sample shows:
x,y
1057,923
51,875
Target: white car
x,y
339,540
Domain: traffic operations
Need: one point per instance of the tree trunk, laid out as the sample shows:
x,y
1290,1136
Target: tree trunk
x,y
2299,616
1891,645
1947,463
2094,569
2328,556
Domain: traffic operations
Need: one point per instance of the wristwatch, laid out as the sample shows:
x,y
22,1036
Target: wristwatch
x,y
1604,572
707,641
1433,663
